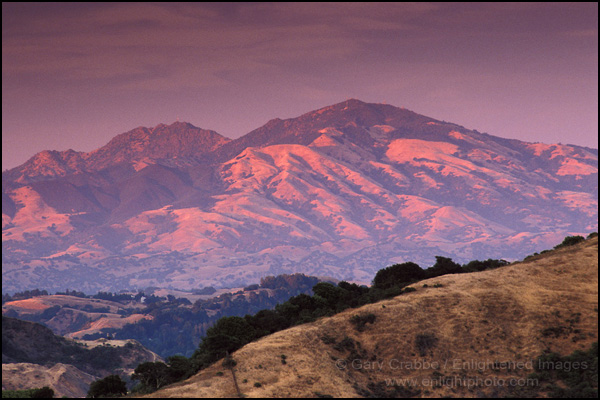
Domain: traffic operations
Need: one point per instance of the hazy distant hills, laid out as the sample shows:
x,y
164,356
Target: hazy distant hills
x,y
342,191
160,319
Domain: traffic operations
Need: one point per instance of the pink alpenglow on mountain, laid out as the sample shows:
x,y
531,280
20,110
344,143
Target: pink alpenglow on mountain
x,y
342,191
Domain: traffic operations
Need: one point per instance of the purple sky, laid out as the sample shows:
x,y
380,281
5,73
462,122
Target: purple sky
x,y
75,75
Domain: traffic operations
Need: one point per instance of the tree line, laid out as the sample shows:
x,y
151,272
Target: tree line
x,y
229,334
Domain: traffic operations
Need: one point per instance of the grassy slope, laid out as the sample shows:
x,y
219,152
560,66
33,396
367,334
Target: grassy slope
x,y
64,379
510,314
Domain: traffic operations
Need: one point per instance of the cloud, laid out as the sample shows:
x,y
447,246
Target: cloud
x,y
328,51
583,33
130,45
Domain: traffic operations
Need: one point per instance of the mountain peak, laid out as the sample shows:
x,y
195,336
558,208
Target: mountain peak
x,y
367,114
180,139
175,126
353,102
352,116
349,104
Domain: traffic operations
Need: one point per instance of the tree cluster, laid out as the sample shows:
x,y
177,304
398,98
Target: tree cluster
x,y
111,386
154,375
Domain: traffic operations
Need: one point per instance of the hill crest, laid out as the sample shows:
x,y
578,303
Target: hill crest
x,y
484,329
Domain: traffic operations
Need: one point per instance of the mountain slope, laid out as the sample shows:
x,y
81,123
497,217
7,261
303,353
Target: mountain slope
x,y
29,342
33,357
440,340
342,191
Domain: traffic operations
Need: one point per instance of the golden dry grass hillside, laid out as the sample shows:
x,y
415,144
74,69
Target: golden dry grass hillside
x,y
440,340
64,379
67,321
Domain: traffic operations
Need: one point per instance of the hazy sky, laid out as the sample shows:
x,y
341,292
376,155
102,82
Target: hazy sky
x,y
75,75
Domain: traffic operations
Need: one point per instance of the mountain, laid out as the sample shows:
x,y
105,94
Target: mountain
x,y
462,335
342,191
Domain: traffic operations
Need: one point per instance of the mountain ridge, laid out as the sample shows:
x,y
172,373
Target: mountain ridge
x,y
339,191
72,158
180,139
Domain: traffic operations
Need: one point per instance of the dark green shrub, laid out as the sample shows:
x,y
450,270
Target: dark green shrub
x,y
251,287
443,266
229,362
398,274
43,393
225,337
328,339
345,344
46,393
360,320
555,331
111,386
180,368
424,342
392,291
328,293
570,241
476,265
152,376
572,376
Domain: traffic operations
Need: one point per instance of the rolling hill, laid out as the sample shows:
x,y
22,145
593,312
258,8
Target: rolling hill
x,y
33,357
161,321
464,335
